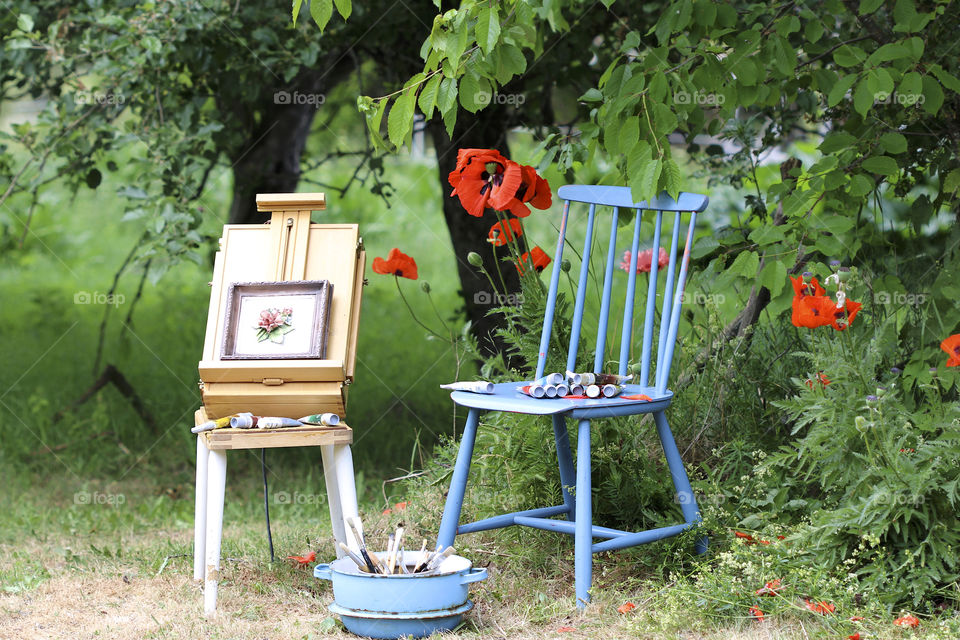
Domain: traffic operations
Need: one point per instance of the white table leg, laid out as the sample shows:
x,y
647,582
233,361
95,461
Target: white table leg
x,y
343,462
200,511
216,486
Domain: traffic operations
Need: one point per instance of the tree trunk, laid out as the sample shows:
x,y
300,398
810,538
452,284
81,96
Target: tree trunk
x,y
485,129
269,159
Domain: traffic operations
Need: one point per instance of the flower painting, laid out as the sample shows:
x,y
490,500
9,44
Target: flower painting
x,y
274,324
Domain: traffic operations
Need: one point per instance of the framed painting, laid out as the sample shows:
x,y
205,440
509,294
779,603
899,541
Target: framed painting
x,y
276,320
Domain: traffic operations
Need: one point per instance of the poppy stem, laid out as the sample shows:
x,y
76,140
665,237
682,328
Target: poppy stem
x,y
412,314
439,317
496,263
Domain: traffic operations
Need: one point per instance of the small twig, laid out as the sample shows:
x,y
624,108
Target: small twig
x,y
166,560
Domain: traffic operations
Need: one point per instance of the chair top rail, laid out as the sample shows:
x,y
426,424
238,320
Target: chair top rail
x,y
612,196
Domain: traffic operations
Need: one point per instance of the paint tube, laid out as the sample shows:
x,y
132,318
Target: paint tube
x,y
562,390
249,421
326,419
550,379
550,391
478,386
592,391
601,379
574,379
533,390
611,390
219,423
577,390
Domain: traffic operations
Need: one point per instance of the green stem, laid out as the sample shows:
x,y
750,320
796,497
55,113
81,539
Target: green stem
x,y
412,314
439,317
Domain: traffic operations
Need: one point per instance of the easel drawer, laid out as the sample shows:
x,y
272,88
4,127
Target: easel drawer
x,y
289,400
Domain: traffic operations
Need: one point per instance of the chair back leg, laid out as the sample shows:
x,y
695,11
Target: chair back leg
x,y
568,475
458,483
583,533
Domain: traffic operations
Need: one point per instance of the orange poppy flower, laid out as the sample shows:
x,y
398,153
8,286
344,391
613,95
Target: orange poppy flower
x,y
504,232
397,264
801,288
822,379
855,636
822,607
745,536
302,561
843,318
626,607
771,588
952,346
479,175
812,311
756,613
907,621
531,189
537,257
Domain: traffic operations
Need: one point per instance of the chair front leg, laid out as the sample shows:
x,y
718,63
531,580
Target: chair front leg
x,y
583,533
568,475
458,483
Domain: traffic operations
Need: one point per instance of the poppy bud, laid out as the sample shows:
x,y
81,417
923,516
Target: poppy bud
x,y
860,423
425,286
565,265
896,371
881,391
933,371
474,258
871,399
806,276
843,274
834,264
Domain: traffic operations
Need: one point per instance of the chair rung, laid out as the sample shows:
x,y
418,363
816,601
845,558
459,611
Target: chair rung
x,y
507,519
642,537
564,526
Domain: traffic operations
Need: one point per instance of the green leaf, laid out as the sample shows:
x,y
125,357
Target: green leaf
x,y
904,11
400,118
952,181
746,264
869,6
672,177
849,56
428,95
767,234
773,277
813,31
893,142
888,52
447,103
884,165
644,171
835,141
860,185
591,95
839,90
321,10
932,95
488,28
474,93
344,8
296,10
25,22
863,97
947,80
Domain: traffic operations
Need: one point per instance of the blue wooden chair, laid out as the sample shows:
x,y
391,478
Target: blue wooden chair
x,y
655,363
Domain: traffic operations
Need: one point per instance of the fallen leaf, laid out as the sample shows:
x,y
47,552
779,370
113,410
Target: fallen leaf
x,y
302,561
400,506
822,607
856,618
756,613
626,607
772,588
566,629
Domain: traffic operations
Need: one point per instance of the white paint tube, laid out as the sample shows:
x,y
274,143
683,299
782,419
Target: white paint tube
x,y
574,378
478,386
593,391
576,390
326,419
550,379
562,390
611,390
550,391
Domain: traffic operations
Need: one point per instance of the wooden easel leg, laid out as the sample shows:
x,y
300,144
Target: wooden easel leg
x,y
216,485
333,497
343,462
200,511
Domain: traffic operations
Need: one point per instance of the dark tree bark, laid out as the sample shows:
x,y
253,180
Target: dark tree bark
x,y
485,129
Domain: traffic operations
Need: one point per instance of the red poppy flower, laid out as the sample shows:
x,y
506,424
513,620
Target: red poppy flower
x,y
504,232
801,288
745,536
530,189
626,607
771,588
397,264
645,260
952,346
812,311
907,621
856,618
855,636
843,318
537,257
477,174
302,561
756,613
822,379
822,607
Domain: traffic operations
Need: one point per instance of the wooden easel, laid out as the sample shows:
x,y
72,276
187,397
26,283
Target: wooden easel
x,y
290,248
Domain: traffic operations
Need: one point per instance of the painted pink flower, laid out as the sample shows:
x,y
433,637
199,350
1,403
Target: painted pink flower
x,y
645,260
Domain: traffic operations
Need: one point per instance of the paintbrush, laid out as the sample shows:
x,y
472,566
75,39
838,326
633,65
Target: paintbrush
x,y
360,562
439,558
357,527
396,549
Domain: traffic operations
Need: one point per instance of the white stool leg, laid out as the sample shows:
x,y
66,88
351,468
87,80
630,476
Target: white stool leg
x,y
200,511
343,462
333,497
216,486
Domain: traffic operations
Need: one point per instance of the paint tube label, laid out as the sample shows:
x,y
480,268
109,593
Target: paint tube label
x,y
327,419
611,378
271,422
243,421
593,391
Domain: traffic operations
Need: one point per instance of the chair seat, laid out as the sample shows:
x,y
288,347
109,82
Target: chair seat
x,y
507,396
